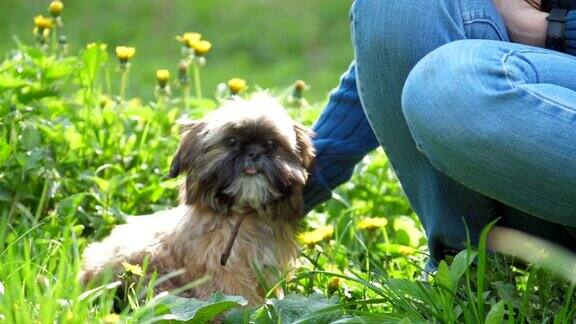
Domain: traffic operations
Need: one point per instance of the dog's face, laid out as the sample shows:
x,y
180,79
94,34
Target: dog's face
x,y
247,154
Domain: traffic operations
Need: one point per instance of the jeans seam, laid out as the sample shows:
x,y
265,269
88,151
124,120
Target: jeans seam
x,y
516,85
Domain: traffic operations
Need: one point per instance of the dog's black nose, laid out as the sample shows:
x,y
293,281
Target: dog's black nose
x,y
254,155
254,152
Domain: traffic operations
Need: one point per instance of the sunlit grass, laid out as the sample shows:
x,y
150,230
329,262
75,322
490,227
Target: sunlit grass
x,y
78,154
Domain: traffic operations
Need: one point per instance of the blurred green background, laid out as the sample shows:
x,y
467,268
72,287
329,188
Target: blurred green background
x,y
269,43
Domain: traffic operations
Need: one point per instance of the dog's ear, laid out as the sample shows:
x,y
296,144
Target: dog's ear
x,y
188,150
305,146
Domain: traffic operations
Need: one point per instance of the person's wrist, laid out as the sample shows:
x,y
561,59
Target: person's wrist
x,y
525,24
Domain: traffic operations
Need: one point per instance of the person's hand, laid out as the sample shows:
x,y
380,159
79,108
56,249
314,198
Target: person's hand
x,y
525,24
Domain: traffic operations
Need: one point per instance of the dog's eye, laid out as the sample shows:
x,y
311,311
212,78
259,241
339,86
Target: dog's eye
x,y
231,141
270,144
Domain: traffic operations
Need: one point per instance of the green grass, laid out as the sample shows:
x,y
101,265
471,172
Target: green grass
x,y
73,165
269,43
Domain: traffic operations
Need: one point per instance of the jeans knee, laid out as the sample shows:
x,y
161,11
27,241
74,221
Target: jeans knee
x,y
428,85
446,101
441,83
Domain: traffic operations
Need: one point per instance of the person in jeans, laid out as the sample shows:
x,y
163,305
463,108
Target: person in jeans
x,y
477,118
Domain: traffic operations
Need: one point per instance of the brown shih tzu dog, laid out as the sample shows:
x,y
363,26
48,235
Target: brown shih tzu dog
x,y
246,164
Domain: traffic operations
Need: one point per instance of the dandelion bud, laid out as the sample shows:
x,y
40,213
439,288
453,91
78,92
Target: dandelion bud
x,y
236,85
162,76
201,47
125,53
104,101
200,60
183,73
46,33
56,8
299,88
102,47
42,22
62,40
333,285
62,44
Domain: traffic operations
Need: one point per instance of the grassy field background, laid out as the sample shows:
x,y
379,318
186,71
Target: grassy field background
x,y
270,43
76,158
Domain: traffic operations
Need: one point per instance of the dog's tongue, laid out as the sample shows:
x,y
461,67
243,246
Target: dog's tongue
x,y
231,241
250,171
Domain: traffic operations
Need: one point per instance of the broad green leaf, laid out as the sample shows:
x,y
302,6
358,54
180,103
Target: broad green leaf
x,y
507,292
496,314
32,159
10,82
242,315
444,277
374,319
262,316
294,307
460,263
60,69
103,184
68,206
75,140
93,58
406,231
5,195
5,150
35,53
30,137
198,311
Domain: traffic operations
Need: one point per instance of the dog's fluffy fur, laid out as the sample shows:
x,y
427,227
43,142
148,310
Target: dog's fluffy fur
x,y
246,158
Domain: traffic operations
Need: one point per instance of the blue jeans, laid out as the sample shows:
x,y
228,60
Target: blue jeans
x,y
475,127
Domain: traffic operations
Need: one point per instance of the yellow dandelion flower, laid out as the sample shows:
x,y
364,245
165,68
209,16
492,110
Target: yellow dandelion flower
x,y
372,223
201,47
189,38
132,268
405,250
111,319
43,22
318,235
236,85
162,76
125,53
94,45
56,8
